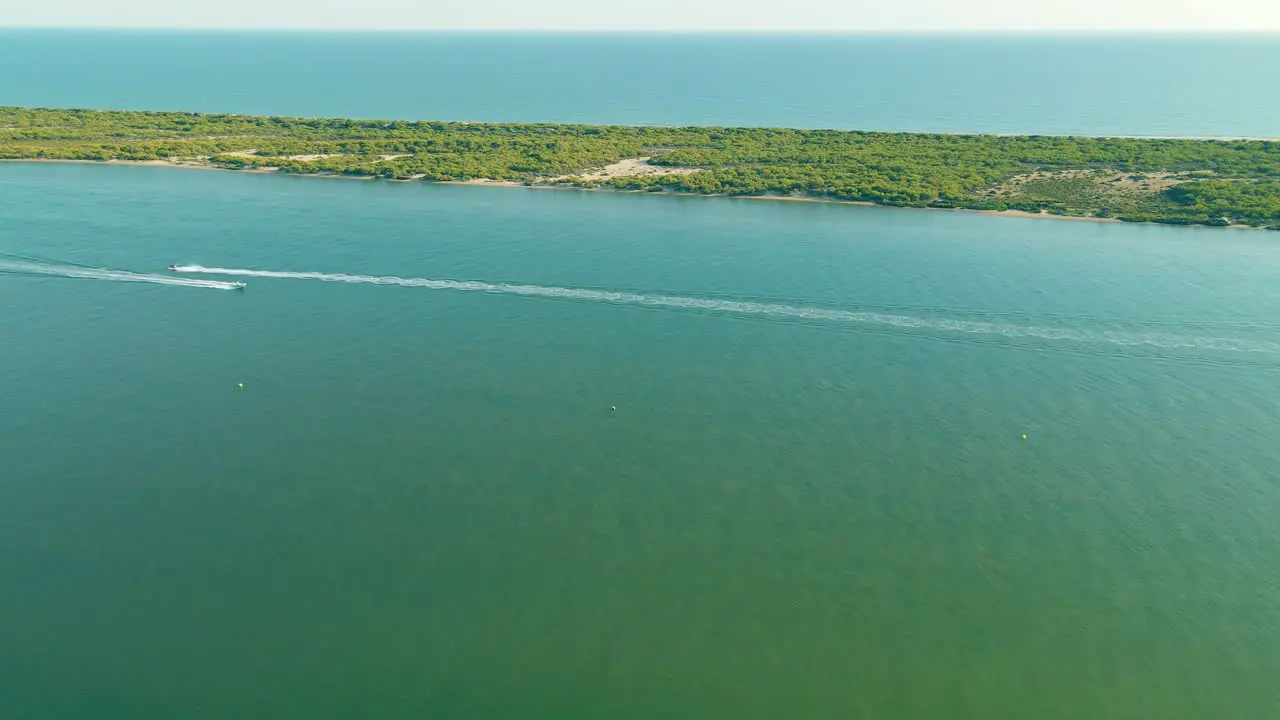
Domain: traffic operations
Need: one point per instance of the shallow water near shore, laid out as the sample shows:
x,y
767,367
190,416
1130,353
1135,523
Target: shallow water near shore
x,y
813,498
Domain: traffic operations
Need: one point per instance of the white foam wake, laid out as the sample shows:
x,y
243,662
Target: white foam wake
x,y
779,310
74,271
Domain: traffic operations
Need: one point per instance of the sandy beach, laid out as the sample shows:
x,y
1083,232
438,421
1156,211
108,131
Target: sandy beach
x,y
630,167
626,168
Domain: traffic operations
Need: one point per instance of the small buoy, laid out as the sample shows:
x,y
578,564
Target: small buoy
x,y
240,385
1024,437
613,407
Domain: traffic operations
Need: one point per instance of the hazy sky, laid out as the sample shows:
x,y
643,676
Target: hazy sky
x,y
869,15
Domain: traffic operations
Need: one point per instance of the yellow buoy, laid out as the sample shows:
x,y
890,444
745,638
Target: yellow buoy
x,y
242,385
1024,437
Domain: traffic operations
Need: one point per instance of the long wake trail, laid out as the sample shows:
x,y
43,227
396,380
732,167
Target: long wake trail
x,y
1120,337
24,267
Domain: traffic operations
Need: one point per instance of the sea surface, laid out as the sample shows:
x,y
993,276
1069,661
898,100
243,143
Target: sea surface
x,y
1219,86
466,452
556,454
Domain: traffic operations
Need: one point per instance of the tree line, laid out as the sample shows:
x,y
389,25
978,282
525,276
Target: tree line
x,y
1217,181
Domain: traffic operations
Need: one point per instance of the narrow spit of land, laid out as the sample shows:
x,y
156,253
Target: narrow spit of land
x,y
1179,181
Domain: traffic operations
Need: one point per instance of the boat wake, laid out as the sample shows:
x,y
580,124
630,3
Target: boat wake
x,y
930,323
68,270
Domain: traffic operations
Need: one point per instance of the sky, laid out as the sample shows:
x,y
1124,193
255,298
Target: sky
x,y
679,15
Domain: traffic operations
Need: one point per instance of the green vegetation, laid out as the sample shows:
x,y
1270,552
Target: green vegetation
x,y
1174,181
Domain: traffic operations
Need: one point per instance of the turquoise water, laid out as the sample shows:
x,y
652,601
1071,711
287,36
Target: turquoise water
x,y
1119,85
812,499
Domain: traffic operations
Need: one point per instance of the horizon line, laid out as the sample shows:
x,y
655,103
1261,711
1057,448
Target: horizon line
x,y
1170,32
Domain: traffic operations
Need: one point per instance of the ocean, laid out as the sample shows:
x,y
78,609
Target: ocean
x,y
471,452
1217,86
